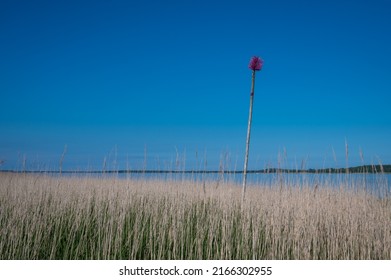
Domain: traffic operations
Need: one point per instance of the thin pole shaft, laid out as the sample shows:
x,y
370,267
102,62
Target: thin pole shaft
x,y
250,115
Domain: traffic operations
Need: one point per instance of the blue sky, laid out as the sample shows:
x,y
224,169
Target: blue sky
x,y
169,79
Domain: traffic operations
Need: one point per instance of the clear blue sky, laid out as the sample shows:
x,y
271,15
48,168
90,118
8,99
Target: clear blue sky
x,y
121,79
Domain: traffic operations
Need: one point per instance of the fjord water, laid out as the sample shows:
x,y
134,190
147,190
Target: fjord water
x,y
375,183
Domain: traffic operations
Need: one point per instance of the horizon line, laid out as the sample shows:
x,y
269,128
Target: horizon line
x,y
379,168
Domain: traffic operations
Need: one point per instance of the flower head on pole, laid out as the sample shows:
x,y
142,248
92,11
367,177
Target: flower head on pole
x,y
256,63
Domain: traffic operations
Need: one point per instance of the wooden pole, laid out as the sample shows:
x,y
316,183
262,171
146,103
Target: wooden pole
x,y
248,137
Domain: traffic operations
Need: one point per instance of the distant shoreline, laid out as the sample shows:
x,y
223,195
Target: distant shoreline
x,y
372,169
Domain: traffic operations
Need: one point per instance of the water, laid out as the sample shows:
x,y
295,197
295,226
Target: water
x,y
375,183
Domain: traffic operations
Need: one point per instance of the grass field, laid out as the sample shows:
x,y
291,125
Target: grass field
x,y
53,217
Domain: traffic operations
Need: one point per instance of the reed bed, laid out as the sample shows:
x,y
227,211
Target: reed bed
x,y
54,217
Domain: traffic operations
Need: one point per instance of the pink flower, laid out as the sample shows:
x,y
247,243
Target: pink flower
x,y
255,63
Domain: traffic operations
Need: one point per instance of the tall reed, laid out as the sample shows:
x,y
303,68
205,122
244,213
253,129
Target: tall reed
x,y
49,217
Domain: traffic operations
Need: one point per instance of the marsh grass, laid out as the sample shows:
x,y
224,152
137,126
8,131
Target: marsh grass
x,y
55,217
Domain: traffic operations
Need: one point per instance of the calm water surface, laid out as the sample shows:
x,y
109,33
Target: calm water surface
x,y
378,183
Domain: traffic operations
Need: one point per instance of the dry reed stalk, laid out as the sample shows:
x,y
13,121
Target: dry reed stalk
x,y
44,217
